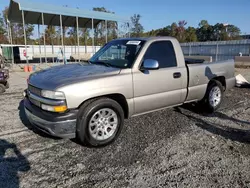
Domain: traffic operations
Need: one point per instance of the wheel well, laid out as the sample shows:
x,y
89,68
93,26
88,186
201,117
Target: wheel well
x,y
220,79
119,98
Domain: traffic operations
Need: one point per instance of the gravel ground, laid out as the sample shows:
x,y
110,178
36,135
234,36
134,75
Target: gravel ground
x,y
179,147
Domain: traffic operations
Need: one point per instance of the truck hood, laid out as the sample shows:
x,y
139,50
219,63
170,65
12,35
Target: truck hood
x,y
59,76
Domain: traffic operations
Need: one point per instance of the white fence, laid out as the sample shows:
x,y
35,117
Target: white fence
x,y
68,50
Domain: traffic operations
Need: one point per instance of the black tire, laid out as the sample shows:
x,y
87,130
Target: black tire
x,y
205,101
87,110
7,85
2,88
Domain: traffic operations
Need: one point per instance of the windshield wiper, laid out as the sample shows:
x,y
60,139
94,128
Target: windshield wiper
x,y
102,63
84,62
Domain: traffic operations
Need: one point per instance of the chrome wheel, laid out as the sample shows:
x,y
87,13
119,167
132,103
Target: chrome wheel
x,y
103,124
215,96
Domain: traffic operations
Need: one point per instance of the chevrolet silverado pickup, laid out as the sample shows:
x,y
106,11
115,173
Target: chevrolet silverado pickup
x,y
125,78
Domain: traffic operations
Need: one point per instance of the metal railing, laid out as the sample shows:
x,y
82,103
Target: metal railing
x,y
219,50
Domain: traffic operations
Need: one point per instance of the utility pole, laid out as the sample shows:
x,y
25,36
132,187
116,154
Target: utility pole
x,y
217,46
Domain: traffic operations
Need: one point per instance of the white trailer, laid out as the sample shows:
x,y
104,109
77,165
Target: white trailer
x,y
36,53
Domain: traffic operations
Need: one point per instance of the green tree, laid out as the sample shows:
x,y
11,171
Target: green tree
x,y
84,36
233,32
190,34
17,30
174,27
205,31
124,30
166,31
100,31
225,32
218,32
181,30
50,35
204,24
137,28
3,31
72,36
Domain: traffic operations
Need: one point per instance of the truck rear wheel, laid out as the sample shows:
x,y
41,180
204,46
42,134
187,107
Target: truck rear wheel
x,y
214,96
100,122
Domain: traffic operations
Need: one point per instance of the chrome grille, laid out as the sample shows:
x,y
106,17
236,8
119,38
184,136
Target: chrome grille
x,y
34,90
34,96
35,102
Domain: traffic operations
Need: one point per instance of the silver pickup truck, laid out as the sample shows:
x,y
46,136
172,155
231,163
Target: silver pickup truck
x,y
125,78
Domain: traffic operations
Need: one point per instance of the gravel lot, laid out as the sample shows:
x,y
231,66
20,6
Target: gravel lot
x,y
178,147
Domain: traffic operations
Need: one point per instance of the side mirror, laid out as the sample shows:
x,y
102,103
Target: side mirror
x,y
150,64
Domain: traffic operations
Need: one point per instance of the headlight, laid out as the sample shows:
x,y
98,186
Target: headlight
x,y
53,94
54,108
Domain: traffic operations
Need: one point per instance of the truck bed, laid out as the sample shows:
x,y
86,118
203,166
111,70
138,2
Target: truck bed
x,y
199,75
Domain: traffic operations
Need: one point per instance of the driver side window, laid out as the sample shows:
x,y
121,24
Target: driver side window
x,y
114,52
163,52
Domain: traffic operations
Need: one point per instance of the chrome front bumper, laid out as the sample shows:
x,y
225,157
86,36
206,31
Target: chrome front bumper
x,y
62,129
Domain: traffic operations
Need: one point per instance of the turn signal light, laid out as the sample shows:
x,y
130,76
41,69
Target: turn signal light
x,y
54,108
60,108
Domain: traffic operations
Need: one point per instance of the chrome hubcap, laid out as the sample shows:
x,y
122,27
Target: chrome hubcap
x,y
103,124
215,96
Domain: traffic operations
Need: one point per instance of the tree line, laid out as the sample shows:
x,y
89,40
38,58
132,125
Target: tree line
x,y
204,31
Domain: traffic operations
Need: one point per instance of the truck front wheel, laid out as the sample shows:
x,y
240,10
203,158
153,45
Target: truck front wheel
x,y
100,122
214,96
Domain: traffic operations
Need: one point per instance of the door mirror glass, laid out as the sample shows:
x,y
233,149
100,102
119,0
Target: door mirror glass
x,y
150,64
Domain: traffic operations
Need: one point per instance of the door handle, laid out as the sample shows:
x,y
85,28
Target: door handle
x,y
177,75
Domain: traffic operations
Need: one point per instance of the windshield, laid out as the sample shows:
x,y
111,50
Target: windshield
x,y
118,53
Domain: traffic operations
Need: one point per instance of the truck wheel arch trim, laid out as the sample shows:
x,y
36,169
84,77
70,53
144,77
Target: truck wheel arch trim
x,y
220,79
119,98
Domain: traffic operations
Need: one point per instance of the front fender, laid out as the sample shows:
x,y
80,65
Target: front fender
x,y
79,92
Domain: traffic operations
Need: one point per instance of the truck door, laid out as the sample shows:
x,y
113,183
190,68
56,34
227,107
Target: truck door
x,y
155,89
